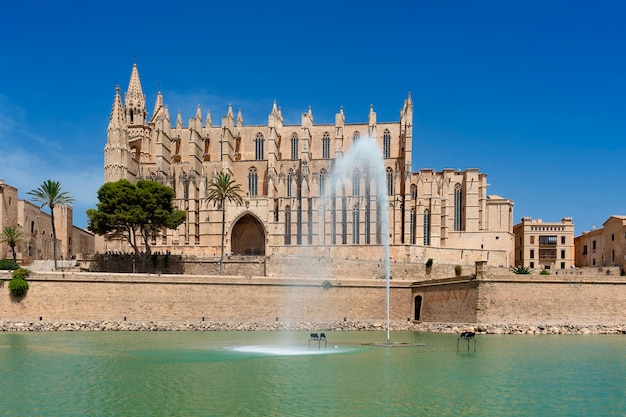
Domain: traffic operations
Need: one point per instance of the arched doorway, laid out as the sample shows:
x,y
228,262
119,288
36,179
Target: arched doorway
x,y
418,307
248,237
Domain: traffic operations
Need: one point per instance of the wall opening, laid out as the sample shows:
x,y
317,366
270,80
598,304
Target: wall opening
x,y
248,237
418,307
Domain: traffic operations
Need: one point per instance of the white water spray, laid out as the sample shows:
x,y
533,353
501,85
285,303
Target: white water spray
x,y
365,156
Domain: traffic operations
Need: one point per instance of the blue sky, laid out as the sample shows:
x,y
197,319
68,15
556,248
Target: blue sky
x,y
530,92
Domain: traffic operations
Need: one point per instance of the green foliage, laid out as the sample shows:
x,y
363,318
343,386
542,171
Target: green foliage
x,y
458,270
429,262
18,285
8,264
11,236
521,269
326,284
222,189
49,194
22,273
544,272
135,212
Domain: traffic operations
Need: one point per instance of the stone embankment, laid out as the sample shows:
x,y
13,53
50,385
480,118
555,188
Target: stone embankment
x,y
113,325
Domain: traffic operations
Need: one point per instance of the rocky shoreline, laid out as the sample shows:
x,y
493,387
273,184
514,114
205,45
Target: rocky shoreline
x,y
116,325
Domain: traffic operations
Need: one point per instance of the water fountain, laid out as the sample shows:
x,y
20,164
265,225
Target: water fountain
x,y
365,155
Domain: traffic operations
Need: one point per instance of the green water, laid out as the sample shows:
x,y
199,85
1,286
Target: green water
x,y
276,374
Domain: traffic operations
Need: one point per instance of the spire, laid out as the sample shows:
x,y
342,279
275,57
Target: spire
x,y
134,99
179,120
158,105
198,113
239,118
117,112
208,122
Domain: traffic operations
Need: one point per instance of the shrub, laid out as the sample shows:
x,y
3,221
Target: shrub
x,y
429,262
21,273
18,287
521,269
458,270
8,264
544,272
326,284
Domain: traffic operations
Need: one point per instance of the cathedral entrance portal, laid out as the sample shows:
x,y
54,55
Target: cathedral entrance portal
x,y
248,237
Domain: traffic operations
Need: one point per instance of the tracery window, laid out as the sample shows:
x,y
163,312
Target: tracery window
x,y
287,225
426,227
326,146
253,182
458,207
259,143
412,226
356,181
294,145
290,178
355,225
389,181
356,136
387,144
322,182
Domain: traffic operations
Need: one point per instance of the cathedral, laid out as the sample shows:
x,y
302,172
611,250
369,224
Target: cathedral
x,y
290,206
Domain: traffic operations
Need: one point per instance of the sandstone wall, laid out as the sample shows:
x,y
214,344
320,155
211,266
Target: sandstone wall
x,y
448,302
588,300
93,296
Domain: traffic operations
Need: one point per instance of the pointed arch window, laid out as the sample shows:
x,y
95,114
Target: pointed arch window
x,y
326,146
287,225
259,144
355,225
290,178
387,144
253,181
426,227
412,226
356,182
458,207
389,181
294,145
322,182
356,136
413,192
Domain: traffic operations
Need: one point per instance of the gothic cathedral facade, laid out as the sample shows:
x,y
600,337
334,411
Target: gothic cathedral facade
x,y
285,172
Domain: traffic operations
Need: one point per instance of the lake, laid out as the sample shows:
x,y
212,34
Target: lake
x,y
286,374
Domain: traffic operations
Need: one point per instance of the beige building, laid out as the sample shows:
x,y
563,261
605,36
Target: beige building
x,y
544,245
291,205
72,242
603,247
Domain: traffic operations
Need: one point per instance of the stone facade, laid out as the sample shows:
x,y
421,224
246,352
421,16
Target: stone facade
x,y
72,242
286,170
544,245
603,247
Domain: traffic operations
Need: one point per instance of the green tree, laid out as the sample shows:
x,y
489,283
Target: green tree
x,y
49,194
11,236
221,189
134,212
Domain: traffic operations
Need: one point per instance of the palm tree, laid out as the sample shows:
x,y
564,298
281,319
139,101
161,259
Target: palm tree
x,y
220,190
11,236
49,194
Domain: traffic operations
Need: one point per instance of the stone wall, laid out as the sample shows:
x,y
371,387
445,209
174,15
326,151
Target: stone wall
x,y
447,301
95,296
569,298
586,301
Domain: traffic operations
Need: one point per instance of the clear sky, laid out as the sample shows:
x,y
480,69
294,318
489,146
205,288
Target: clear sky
x,y
533,93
